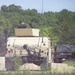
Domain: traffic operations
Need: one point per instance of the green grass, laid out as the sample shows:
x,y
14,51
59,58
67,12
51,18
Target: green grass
x,y
33,73
70,62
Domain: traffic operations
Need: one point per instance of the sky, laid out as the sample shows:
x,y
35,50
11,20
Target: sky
x,y
42,5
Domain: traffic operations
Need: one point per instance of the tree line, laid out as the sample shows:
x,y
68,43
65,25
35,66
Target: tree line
x,y
59,26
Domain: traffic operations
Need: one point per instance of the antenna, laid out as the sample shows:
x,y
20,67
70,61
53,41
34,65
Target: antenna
x,y
42,14
42,19
42,6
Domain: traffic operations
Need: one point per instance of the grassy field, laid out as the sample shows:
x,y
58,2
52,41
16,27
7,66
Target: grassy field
x,y
70,62
33,73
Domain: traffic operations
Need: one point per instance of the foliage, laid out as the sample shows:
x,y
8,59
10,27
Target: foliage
x,y
4,8
16,63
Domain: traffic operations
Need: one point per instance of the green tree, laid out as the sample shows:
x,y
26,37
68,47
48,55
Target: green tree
x,y
65,27
4,8
14,8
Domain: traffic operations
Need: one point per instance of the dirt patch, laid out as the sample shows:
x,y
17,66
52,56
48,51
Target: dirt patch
x,y
55,67
61,68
